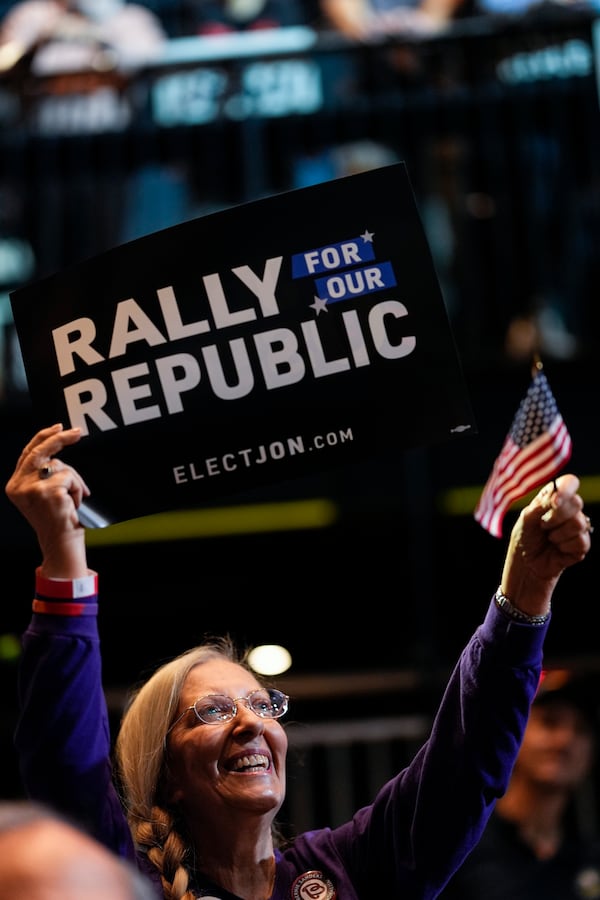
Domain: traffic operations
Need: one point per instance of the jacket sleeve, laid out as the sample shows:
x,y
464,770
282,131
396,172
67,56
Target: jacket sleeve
x,y
62,737
426,820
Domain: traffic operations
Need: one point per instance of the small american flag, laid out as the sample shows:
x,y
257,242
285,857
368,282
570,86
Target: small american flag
x,y
534,450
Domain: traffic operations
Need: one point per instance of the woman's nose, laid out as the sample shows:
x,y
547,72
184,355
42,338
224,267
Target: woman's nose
x,y
246,718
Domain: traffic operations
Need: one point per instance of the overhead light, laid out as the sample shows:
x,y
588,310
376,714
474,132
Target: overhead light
x,y
269,659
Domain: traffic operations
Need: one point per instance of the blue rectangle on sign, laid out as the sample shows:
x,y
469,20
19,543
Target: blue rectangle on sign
x,y
354,282
333,257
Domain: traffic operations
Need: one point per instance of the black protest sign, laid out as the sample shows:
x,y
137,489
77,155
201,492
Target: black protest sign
x,y
254,345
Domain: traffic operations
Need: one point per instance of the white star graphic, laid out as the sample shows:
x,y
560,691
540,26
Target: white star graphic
x,y
319,305
368,237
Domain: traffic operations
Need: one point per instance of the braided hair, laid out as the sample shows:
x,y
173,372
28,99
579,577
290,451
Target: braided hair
x,y
142,765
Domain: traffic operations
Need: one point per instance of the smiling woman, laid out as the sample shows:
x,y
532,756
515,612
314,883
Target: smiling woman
x,y
201,750
194,764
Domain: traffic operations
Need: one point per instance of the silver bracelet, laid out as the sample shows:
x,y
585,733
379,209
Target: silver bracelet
x,y
512,612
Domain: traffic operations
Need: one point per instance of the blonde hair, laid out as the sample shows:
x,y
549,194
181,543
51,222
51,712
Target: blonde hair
x,y
140,753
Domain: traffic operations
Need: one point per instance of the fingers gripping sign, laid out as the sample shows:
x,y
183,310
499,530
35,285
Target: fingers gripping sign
x,y
48,492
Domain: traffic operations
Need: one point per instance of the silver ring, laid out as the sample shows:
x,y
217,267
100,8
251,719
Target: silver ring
x,y
45,471
588,522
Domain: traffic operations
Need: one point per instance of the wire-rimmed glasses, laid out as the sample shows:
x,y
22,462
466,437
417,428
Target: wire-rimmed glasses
x,y
214,709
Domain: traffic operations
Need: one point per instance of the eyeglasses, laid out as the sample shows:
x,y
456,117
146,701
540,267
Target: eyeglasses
x,y
214,709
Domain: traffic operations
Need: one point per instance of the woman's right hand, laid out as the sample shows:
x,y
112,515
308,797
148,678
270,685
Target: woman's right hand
x,y
50,503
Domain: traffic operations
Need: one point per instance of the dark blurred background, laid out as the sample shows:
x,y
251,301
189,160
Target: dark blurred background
x,y
498,122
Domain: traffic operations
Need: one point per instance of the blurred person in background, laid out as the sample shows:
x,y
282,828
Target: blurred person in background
x,y
206,17
72,35
71,64
362,20
541,842
395,29
45,856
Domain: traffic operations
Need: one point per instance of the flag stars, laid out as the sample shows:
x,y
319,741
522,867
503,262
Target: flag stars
x,y
367,237
538,411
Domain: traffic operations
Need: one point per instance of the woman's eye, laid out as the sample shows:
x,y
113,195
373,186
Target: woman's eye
x,y
214,710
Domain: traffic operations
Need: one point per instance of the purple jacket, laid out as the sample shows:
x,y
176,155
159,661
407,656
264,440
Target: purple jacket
x,y
405,845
